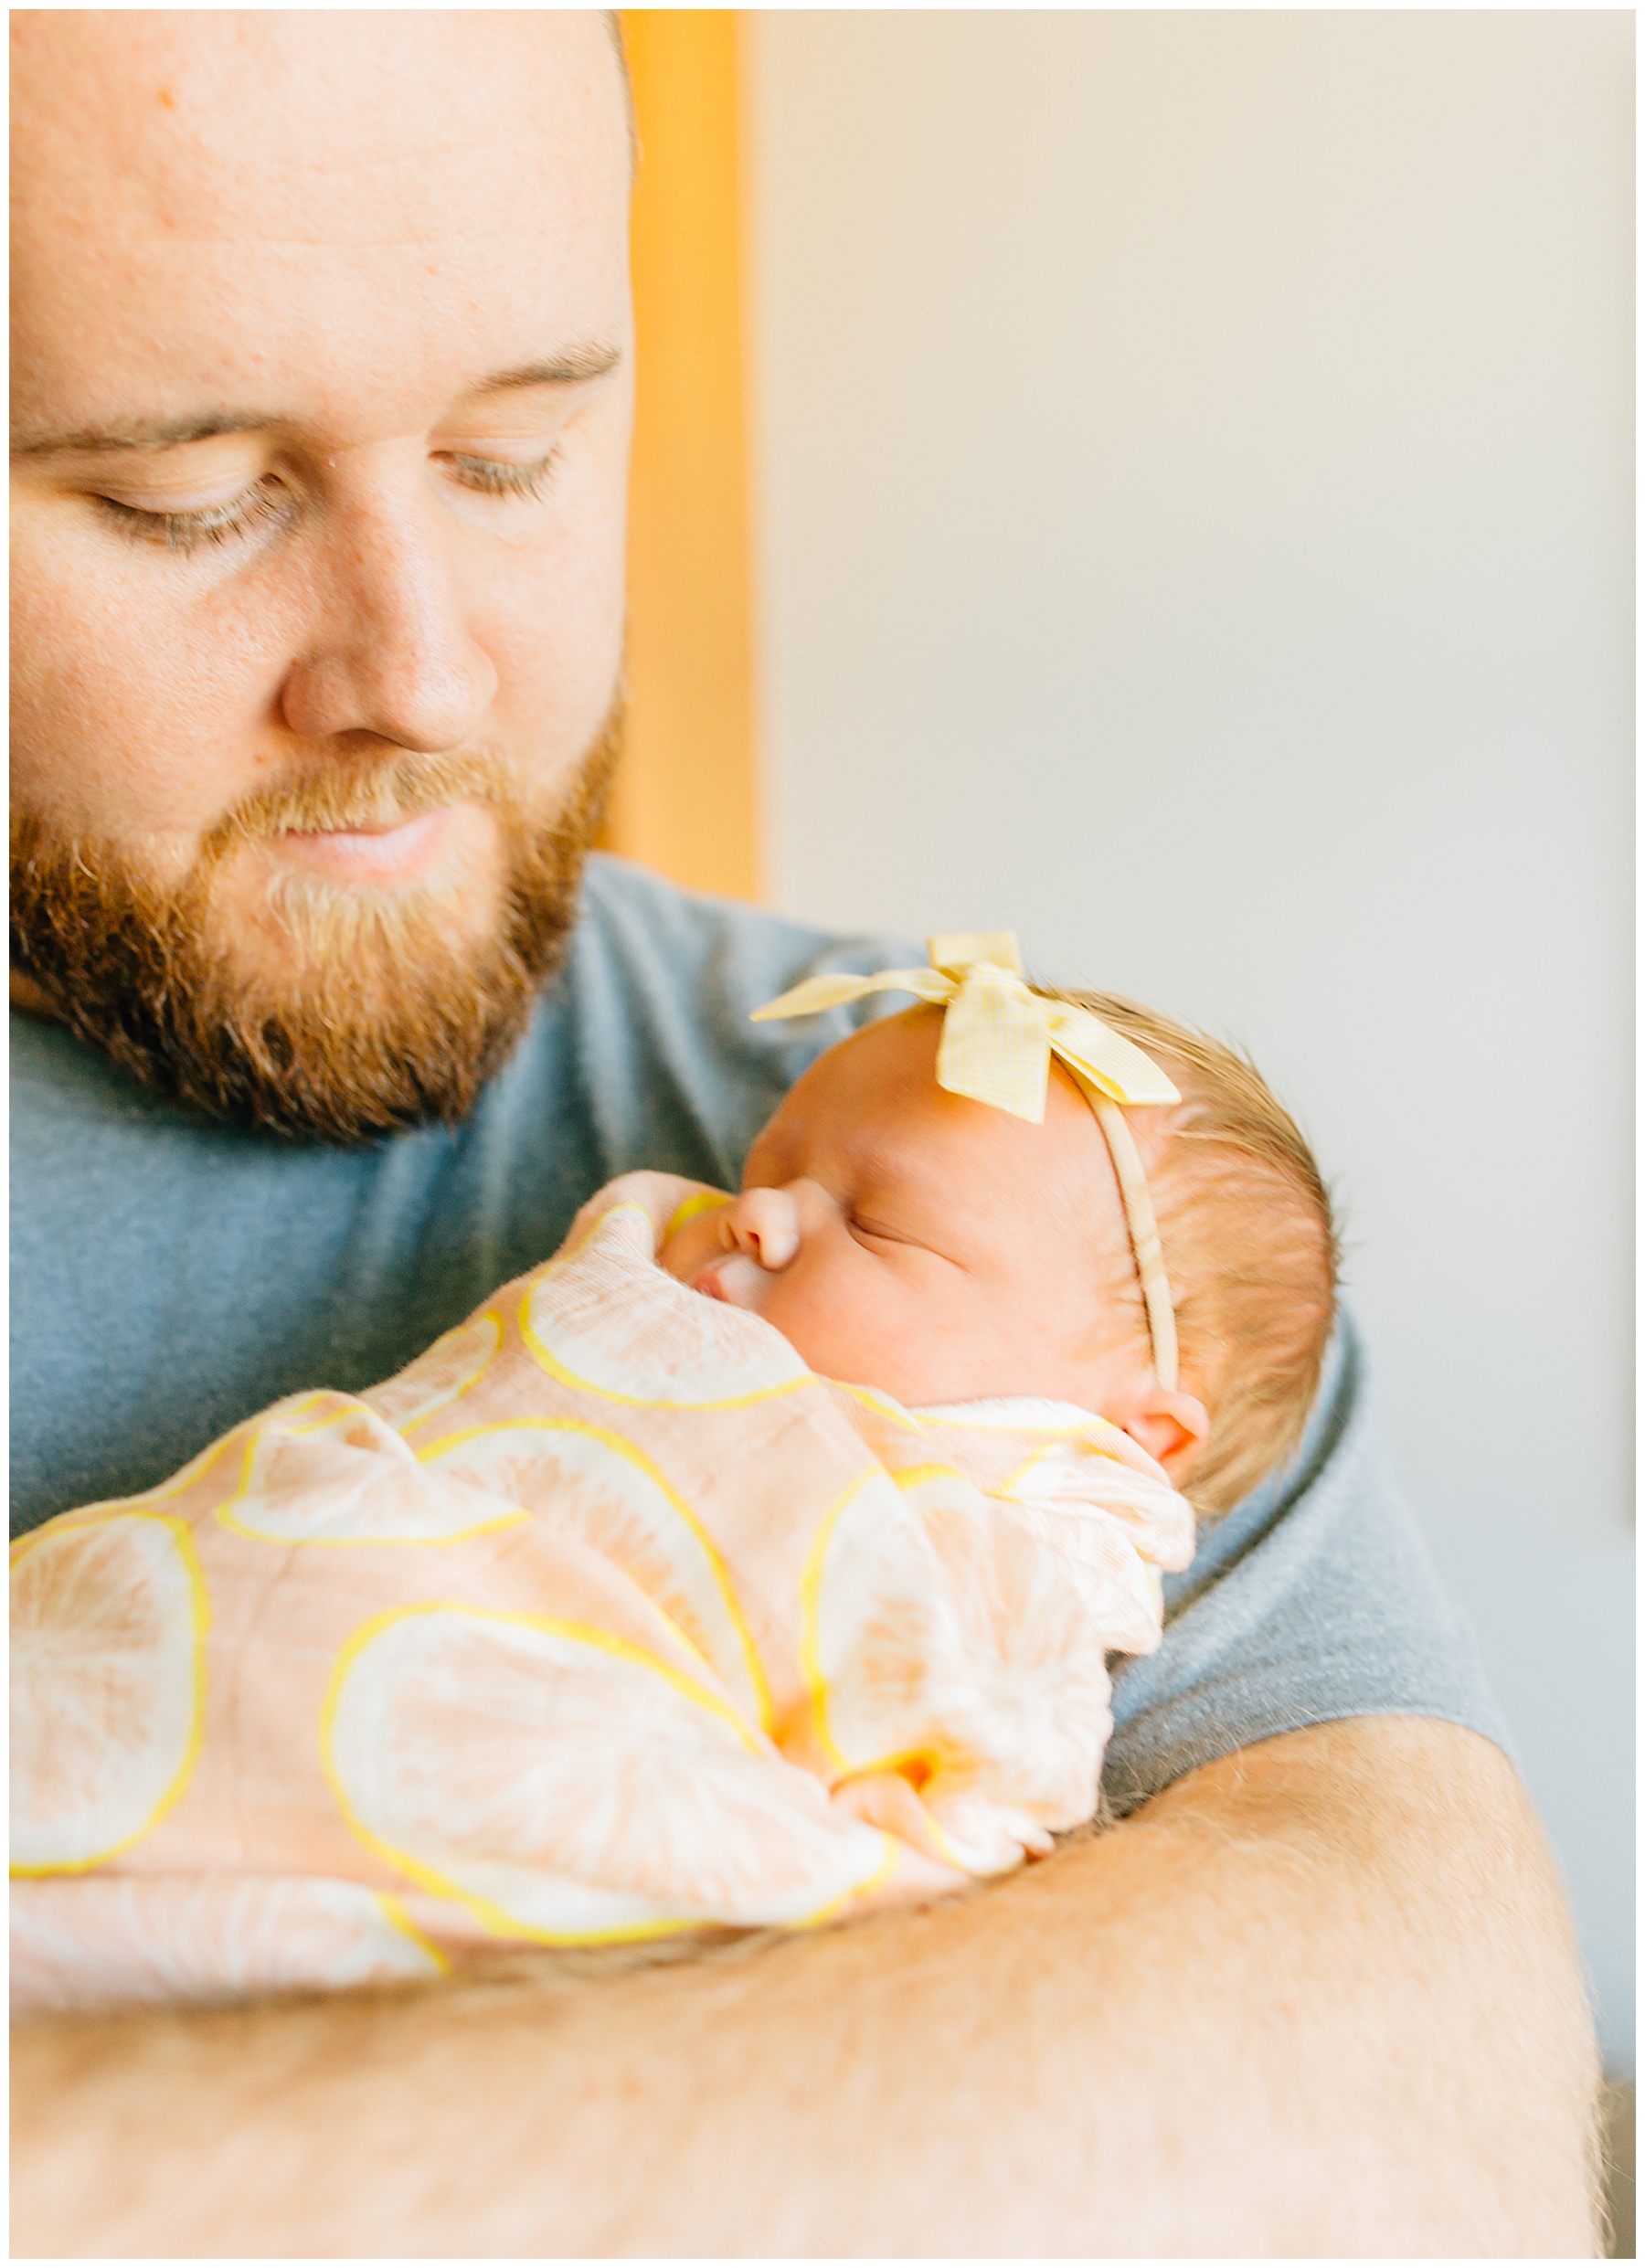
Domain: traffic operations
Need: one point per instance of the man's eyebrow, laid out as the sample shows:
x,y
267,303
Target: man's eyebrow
x,y
146,433
574,367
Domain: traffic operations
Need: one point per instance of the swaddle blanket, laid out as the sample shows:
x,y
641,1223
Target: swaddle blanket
x,y
605,1618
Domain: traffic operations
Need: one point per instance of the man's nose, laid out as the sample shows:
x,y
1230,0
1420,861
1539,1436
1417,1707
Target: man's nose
x,y
764,1224
391,652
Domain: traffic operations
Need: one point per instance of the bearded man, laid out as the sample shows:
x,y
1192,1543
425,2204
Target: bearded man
x,y
323,371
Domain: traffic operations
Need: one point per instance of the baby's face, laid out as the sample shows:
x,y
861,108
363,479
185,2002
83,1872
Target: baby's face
x,y
903,1237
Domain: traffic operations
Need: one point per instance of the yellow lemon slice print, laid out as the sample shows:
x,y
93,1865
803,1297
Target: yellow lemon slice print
x,y
333,1471
581,1481
100,1940
939,1631
611,1321
567,1787
879,1633
107,1683
441,1376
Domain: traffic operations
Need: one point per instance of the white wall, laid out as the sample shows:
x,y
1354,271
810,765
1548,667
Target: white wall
x,y
1194,515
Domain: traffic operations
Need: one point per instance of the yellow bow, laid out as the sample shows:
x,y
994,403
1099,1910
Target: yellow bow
x,y
998,1037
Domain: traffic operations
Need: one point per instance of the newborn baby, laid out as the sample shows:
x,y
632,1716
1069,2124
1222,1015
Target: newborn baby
x,y
754,1560
939,1248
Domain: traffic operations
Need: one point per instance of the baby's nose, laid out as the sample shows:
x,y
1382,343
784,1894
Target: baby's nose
x,y
765,1224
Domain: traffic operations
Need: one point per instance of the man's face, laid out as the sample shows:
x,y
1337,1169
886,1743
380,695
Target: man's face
x,y
322,388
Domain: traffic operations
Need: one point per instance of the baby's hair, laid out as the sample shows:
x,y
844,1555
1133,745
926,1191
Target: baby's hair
x,y
1251,1246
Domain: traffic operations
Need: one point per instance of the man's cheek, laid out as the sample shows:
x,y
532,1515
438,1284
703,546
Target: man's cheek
x,y
551,612
88,759
134,712
555,684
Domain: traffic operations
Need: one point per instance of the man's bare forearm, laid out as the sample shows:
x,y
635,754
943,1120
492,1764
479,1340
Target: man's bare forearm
x,y
1319,1998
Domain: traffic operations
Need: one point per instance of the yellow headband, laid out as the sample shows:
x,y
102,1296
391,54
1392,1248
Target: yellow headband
x,y
998,1039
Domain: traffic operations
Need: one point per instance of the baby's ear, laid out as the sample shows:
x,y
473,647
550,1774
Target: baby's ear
x,y
1172,1427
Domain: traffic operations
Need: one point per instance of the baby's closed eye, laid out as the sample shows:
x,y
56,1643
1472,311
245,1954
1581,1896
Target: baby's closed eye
x,y
871,1233
866,1225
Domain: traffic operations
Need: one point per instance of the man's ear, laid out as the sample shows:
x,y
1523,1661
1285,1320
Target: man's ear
x,y
1171,1426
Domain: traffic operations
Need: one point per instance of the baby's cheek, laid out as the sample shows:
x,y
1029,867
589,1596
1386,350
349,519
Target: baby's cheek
x,y
832,1310
689,1250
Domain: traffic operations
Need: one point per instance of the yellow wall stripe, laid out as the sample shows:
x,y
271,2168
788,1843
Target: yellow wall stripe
x,y
684,801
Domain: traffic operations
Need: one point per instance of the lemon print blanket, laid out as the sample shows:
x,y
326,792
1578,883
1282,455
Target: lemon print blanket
x,y
604,1619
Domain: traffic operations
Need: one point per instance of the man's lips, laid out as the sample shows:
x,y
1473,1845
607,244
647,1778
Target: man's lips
x,y
390,854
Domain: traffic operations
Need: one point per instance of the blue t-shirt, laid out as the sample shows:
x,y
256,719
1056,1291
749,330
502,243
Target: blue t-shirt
x,y
170,1277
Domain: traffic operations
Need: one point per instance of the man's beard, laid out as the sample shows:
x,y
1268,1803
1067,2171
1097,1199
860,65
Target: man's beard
x,y
389,1011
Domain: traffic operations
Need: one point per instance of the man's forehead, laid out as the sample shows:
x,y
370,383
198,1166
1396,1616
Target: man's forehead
x,y
305,127
341,219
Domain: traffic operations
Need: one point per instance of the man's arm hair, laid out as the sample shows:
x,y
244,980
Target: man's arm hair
x,y
1319,1998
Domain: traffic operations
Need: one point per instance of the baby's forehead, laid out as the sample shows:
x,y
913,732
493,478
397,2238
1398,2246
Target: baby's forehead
x,y
875,1095
892,1066
889,1063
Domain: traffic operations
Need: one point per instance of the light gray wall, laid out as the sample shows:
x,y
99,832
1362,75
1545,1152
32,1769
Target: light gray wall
x,y
1195,524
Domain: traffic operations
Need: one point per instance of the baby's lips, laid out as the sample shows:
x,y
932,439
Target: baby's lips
x,y
733,1277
